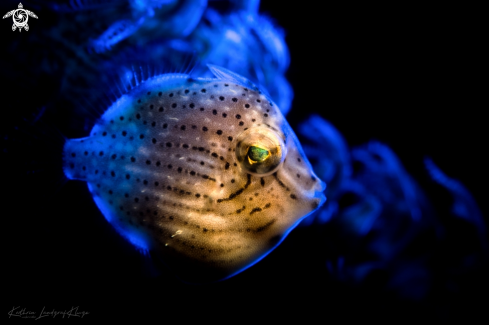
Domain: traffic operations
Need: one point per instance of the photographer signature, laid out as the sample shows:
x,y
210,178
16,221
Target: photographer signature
x,y
24,313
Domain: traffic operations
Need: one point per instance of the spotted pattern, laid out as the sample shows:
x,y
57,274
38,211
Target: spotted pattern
x,y
161,166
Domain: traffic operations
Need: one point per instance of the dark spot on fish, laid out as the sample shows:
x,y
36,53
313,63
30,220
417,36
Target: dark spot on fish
x,y
259,101
241,123
254,210
185,146
262,181
280,182
183,127
151,106
112,173
224,115
101,153
230,138
114,156
192,173
265,226
219,132
203,90
266,115
148,162
168,144
171,95
221,98
214,112
214,155
187,91
226,166
84,168
124,133
201,109
238,192
133,159
165,126
253,120
121,118
197,195
153,140
205,129
113,136
192,105
247,105
298,159
160,93
173,105
292,196
170,166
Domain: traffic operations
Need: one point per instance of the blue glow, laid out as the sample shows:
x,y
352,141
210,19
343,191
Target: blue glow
x,y
137,238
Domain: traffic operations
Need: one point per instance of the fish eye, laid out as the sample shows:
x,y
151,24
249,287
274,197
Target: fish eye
x,y
260,151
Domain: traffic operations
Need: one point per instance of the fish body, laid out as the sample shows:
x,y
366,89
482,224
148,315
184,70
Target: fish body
x,y
204,174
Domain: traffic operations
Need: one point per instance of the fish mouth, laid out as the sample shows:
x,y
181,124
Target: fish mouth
x,y
319,198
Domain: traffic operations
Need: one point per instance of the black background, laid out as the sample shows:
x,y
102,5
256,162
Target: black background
x,y
410,77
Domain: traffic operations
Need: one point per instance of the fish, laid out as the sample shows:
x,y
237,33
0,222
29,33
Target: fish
x,y
203,174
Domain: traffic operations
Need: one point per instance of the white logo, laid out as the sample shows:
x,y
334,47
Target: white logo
x,y
20,17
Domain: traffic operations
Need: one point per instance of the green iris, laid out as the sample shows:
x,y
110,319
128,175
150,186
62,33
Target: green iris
x,y
257,154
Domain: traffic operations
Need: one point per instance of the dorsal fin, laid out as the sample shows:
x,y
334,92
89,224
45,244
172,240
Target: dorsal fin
x,y
225,74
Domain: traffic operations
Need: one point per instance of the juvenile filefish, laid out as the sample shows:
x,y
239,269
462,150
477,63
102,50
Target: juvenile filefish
x,y
204,174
